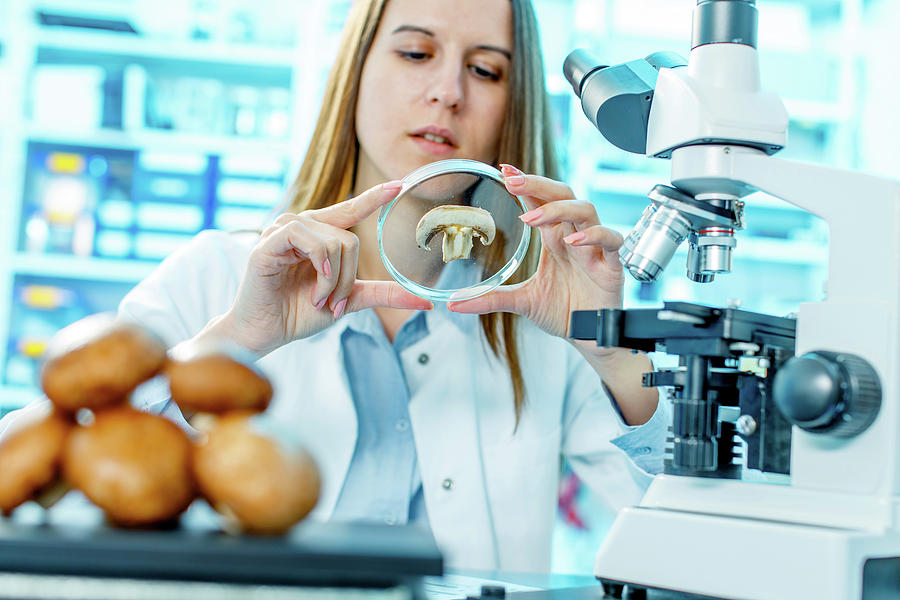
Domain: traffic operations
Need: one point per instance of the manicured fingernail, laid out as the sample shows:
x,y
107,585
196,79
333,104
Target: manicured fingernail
x,y
510,169
578,236
392,185
532,215
339,309
321,303
515,180
326,266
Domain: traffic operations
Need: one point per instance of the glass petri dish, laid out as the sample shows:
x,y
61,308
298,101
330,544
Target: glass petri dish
x,y
453,232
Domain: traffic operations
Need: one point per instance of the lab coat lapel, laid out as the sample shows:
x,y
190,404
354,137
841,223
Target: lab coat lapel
x,y
448,447
318,364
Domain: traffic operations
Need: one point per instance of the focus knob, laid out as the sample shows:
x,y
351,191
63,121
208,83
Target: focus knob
x,y
828,392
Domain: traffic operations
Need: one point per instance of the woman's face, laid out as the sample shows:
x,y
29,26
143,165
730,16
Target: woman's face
x,y
434,85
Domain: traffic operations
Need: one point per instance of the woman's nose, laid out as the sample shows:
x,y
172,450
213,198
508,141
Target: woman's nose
x,y
447,89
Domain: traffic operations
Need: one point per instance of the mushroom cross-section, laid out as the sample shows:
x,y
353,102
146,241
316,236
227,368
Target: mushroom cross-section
x,y
458,224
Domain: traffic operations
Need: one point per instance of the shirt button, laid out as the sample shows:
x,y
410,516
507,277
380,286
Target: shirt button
x,y
401,425
423,359
447,484
389,518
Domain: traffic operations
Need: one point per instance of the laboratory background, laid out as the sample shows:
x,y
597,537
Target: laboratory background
x,y
127,126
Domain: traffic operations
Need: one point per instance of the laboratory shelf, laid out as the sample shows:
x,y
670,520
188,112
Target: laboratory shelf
x,y
72,46
64,266
161,141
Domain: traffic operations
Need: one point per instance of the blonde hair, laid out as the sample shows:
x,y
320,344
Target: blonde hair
x,y
328,171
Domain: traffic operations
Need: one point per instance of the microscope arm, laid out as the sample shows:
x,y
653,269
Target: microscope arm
x,y
862,211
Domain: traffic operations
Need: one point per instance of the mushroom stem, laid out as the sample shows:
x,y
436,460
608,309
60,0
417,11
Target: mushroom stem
x,y
457,242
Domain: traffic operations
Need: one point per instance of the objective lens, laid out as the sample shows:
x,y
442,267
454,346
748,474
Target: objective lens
x,y
710,253
652,243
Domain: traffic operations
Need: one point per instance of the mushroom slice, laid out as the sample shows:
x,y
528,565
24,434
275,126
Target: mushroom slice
x,y
458,224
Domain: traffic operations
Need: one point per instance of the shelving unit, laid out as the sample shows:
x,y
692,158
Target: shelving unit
x,y
87,46
160,141
65,266
98,282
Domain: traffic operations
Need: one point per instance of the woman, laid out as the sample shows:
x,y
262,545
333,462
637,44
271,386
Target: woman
x,y
412,417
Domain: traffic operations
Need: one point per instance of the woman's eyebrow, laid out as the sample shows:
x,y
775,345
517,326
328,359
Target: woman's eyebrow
x,y
428,32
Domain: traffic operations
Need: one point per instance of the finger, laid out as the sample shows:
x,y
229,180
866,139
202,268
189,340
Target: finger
x,y
282,220
504,299
347,272
608,239
327,281
285,218
383,294
577,212
295,241
540,189
350,212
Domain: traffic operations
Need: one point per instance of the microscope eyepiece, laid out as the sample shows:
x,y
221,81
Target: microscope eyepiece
x,y
577,66
725,21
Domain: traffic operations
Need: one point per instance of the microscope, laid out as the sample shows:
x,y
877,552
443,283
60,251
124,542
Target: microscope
x,y
816,399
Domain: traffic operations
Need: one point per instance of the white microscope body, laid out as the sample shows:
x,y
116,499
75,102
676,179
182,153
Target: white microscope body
x,y
821,536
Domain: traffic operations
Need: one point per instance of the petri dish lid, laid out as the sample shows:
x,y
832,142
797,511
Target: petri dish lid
x,y
453,232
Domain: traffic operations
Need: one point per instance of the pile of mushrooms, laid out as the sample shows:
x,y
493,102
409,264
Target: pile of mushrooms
x,y
141,469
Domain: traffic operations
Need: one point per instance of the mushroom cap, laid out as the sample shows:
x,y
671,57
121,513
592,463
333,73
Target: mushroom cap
x,y
133,465
217,377
97,362
448,215
266,485
30,460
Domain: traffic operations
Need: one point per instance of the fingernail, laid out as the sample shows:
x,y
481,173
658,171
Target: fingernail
x,y
578,236
326,266
515,180
392,185
510,169
532,215
321,303
339,309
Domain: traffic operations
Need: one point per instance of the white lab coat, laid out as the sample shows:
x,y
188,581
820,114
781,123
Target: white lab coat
x,y
490,489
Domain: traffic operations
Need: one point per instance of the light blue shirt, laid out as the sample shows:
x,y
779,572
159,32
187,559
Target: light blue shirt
x,y
383,482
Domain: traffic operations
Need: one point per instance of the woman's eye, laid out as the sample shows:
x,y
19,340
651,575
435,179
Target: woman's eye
x,y
483,73
413,55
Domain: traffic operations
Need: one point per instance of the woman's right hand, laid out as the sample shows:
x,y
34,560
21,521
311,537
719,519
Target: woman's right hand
x,y
301,277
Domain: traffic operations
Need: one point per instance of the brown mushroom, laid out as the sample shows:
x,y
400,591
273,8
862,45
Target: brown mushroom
x,y
30,463
97,362
459,224
133,465
217,377
266,485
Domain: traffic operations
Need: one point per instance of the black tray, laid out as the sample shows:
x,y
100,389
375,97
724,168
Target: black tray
x,y
323,554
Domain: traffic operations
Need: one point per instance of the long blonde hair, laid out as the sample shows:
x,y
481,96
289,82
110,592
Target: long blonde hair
x,y
328,172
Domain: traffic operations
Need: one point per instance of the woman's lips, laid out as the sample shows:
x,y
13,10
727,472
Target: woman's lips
x,y
431,146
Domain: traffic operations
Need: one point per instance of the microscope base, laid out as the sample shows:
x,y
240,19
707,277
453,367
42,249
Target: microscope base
x,y
748,559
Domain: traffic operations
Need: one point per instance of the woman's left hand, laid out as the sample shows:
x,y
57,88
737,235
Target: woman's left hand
x,y
579,268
